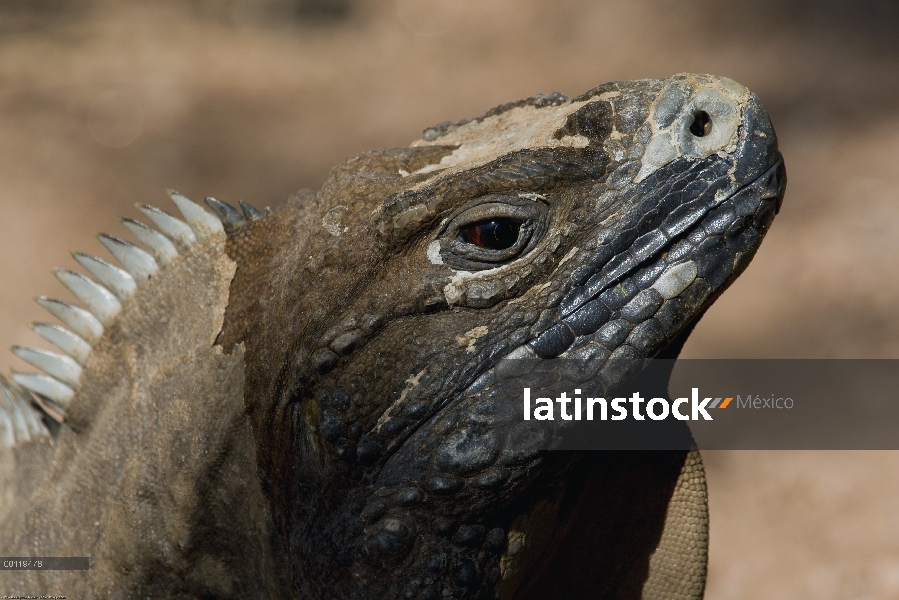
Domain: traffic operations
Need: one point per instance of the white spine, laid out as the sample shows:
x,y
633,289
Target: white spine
x,y
116,280
101,302
32,419
46,386
78,319
18,428
204,224
67,341
175,229
137,262
160,247
56,365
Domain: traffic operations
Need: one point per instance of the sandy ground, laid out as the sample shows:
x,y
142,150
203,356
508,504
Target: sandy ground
x,y
104,104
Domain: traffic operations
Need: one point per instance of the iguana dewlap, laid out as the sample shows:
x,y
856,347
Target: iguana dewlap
x,y
298,402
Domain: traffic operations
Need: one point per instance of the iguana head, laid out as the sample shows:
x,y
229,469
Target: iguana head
x,y
595,227
373,321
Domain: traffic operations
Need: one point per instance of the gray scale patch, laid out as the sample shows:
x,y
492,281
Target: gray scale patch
x,y
676,279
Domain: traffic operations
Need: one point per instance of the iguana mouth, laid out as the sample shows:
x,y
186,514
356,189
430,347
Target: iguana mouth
x,y
600,301
769,184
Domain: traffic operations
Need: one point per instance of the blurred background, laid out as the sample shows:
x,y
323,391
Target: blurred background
x,y
106,103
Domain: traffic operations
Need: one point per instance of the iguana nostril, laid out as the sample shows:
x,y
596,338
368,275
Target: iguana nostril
x,y
702,124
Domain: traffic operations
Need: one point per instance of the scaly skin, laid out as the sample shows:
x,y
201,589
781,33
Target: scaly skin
x,y
306,406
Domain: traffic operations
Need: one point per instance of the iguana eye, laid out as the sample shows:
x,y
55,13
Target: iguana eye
x,y
490,231
491,234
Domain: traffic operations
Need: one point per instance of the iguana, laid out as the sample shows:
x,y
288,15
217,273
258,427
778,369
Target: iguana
x,y
297,402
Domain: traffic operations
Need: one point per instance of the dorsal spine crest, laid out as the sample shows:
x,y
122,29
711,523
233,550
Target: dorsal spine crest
x,y
32,397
